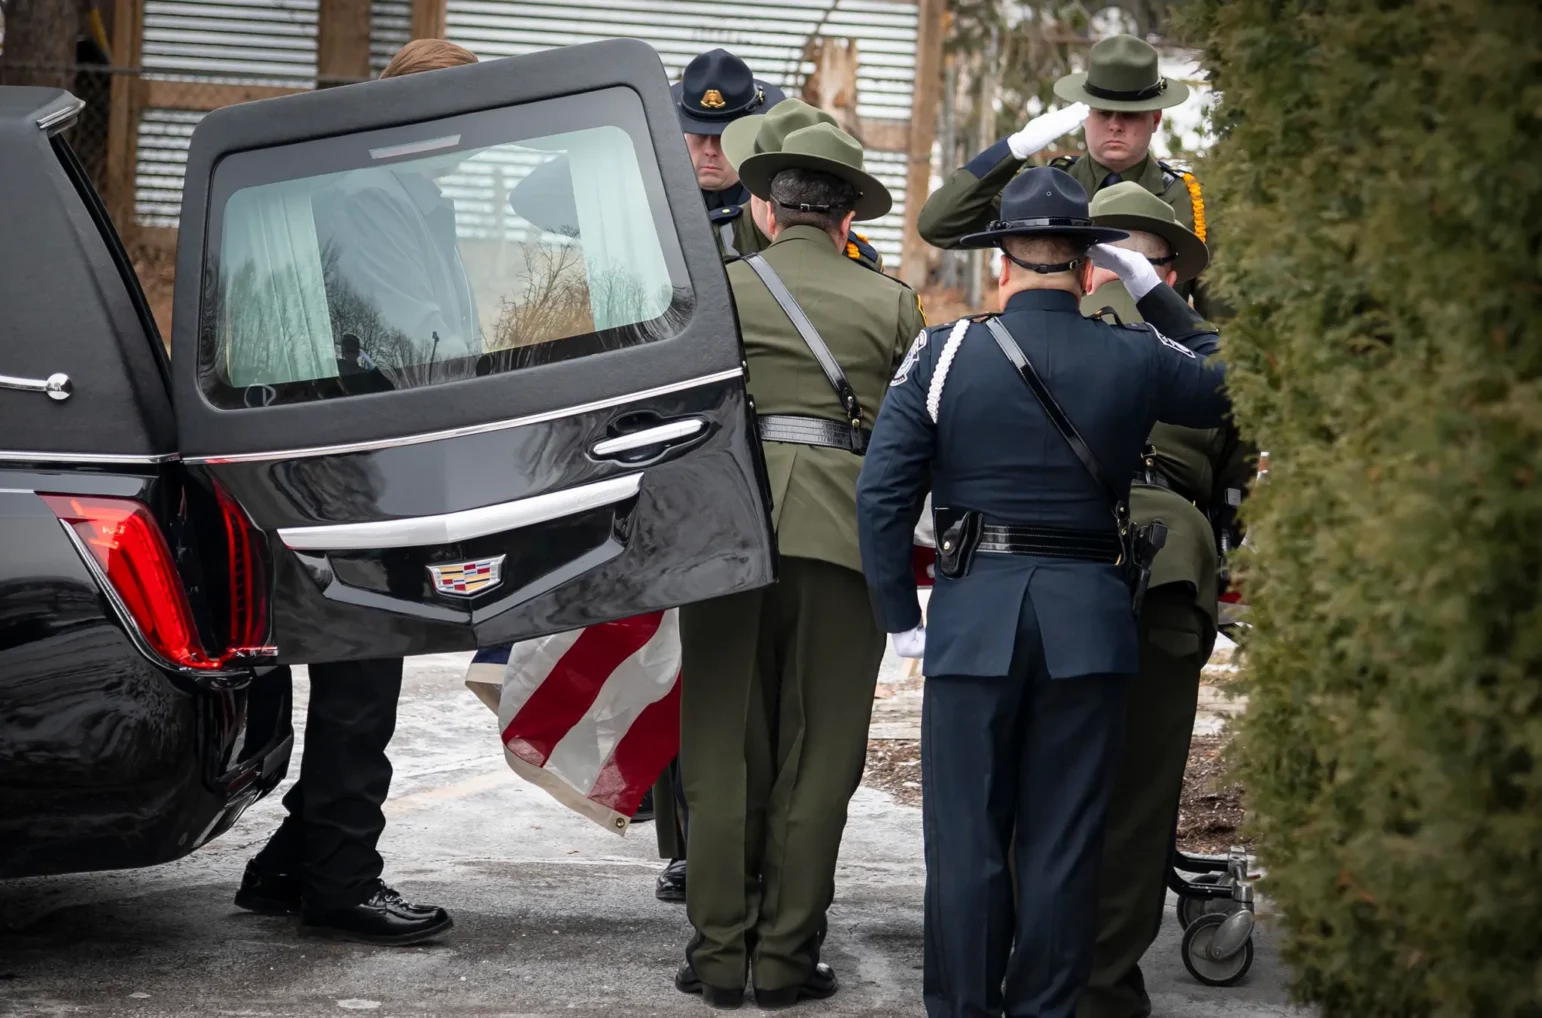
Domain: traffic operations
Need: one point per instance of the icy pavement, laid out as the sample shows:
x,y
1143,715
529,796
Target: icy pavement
x,y
554,915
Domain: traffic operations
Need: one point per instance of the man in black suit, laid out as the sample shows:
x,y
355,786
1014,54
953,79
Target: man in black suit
x,y
322,862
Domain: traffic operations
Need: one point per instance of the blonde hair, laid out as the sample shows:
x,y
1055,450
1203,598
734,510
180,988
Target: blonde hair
x,y
427,55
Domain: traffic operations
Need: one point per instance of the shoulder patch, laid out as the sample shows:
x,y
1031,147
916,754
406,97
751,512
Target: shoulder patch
x,y
1190,354
911,357
726,214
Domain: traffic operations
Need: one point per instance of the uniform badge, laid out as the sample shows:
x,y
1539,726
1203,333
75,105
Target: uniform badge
x,y
466,578
1176,346
911,357
712,99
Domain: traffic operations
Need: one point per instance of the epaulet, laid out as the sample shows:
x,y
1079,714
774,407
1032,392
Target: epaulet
x,y
1172,173
1063,162
859,250
726,214
1107,315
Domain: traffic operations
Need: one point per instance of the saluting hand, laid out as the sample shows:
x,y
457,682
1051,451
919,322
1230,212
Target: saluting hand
x,y
1045,128
911,643
1134,270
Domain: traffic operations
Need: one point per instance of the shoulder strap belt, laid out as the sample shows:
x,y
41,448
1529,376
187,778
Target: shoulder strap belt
x,y
827,363
1058,417
813,431
725,235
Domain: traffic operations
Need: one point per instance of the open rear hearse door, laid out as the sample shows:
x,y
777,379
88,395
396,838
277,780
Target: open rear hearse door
x,y
466,402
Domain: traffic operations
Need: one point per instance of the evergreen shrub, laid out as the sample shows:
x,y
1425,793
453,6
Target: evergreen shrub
x,y
1378,191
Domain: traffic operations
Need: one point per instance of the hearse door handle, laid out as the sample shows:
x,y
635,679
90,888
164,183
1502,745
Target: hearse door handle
x,y
57,385
658,435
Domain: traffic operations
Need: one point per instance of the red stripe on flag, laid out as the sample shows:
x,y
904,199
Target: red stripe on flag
x,y
641,756
566,695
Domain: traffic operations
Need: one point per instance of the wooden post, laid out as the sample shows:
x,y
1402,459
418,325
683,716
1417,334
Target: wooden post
x,y
428,18
342,42
123,122
914,261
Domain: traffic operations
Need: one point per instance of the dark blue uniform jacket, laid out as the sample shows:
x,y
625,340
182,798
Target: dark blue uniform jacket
x,y
993,449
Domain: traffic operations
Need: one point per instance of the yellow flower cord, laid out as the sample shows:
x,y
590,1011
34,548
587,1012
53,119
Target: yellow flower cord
x,y
1198,203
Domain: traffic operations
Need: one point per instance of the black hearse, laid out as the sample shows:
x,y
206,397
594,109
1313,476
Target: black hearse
x,y
328,465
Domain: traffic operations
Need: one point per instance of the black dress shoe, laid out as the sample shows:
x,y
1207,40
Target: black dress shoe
x,y
820,984
645,811
722,997
670,885
383,919
269,893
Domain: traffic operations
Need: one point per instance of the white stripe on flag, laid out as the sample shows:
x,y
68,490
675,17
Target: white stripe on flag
x,y
529,665
645,677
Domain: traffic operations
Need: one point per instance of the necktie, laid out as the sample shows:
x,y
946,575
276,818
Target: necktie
x,y
1112,178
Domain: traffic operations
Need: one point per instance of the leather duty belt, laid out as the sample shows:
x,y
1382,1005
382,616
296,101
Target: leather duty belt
x,y
1150,475
1153,477
814,431
1054,542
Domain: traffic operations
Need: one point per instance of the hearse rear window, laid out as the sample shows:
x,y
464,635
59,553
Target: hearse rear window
x,y
436,252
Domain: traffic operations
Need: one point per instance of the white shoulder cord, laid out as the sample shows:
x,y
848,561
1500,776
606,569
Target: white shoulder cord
x,y
944,362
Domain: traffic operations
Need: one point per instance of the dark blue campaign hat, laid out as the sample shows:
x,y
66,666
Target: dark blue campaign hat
x,y
1043,202
716,89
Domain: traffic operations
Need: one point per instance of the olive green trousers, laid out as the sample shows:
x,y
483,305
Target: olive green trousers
x,y
668,817
1175,642
776,699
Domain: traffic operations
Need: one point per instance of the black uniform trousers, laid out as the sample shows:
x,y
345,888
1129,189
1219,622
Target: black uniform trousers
x,y
335,819
1033,753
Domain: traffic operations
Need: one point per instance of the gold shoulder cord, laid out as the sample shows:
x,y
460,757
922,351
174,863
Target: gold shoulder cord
x,y
1198,202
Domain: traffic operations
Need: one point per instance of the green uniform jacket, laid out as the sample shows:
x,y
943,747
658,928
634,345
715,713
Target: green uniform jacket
x,y
1199,465
970,200
868,321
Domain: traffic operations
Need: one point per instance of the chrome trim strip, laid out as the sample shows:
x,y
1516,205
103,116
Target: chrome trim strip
x,y
670,432
220,679
470,429
465,525
60,119
103,458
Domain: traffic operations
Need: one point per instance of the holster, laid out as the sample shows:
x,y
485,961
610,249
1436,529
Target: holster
x,y
1141,546
958,536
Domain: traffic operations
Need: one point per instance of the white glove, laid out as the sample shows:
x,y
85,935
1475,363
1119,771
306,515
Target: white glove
x,y
910,644
1045,128
1132,268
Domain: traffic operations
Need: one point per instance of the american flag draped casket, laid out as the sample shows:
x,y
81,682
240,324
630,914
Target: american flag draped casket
x,y
592,716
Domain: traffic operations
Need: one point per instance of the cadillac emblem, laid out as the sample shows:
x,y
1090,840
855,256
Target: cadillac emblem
x,y
467,578
712,99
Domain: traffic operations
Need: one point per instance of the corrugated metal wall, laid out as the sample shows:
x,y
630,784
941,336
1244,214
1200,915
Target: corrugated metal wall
x,y
274,42
768,34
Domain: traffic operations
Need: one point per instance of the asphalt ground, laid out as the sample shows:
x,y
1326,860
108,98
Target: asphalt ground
x,y
554,915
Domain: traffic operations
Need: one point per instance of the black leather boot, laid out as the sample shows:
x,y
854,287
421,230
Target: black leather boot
x,y
821,983
268,893
724,998
670,885
384,918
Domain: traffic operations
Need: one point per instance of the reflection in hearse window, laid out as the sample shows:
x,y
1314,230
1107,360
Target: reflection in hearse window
x,y
438,263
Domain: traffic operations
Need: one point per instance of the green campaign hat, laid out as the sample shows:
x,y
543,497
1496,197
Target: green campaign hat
x,y
828,149
765,132
1122,75
1129,206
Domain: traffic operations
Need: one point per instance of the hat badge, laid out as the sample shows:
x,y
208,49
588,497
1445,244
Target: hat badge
x,y
712,99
